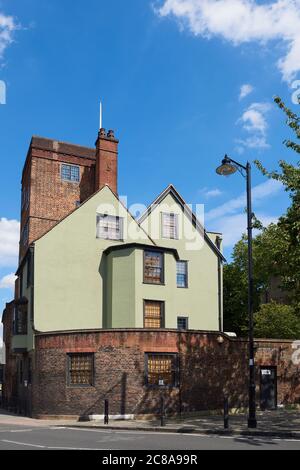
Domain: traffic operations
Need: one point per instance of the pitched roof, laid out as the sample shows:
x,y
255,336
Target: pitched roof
x,y
171,190
84,202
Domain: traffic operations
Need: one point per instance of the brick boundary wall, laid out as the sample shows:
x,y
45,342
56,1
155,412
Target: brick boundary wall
x,y
208,369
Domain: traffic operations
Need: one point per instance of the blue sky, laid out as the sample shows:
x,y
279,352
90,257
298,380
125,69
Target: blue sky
x,y
182,82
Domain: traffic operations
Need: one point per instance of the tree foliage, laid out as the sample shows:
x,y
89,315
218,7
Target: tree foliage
x,y
276,249
275,320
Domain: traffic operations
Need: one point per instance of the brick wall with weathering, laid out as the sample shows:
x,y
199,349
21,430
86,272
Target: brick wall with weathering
x,y
208,370
48,198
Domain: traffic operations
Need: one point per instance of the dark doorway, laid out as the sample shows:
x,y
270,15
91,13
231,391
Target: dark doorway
x,y
268,388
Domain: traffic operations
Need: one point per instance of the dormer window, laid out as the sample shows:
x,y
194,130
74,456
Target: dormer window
x,y
169,225
109,227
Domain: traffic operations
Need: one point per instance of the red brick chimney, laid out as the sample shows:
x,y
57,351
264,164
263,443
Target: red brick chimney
x,y
106,161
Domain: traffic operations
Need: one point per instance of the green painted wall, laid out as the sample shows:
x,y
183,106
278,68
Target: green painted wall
x,y
69,271
122,288
77,287
200,301
25,341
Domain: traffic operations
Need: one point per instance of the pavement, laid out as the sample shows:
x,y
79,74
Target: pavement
x,y
278,423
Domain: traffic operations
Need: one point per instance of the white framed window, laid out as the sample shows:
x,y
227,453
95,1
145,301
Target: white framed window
x,y
109,227
70,173
169,225
182,273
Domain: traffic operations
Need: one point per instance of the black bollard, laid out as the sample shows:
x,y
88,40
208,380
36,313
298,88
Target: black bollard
x,y
226,413
105,411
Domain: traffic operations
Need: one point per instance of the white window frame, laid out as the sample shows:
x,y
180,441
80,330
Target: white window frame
x,y
184,263
111,235
70,180
163,226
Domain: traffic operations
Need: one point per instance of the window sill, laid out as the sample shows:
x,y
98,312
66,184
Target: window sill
x,y
159,387
69,181
154,283
80,386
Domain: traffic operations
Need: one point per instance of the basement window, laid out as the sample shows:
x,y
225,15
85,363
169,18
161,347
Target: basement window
x,y
81,369
153,314
70,173
153,267
161,369
109,227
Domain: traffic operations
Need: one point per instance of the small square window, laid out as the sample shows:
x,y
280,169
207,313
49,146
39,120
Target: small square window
x,y
70,173
109,227
182,323
170,225
153,267
161,369
182,273
81,369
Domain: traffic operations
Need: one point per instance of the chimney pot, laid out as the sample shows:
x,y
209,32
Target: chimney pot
x,y
106,168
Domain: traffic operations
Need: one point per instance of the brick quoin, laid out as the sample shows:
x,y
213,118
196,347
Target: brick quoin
x,y
208,370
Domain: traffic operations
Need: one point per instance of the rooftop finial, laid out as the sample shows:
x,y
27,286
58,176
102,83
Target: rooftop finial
x,y
100,119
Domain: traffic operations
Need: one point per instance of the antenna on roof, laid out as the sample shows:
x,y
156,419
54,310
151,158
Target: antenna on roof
x,y
100,119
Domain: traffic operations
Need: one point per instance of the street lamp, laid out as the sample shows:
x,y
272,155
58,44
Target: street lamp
x,y
228,167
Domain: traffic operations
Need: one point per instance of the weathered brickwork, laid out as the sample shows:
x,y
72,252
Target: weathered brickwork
x,y
207,371
106,161
48,198
285,356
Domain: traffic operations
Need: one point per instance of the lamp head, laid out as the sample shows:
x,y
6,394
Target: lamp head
x,y
226,168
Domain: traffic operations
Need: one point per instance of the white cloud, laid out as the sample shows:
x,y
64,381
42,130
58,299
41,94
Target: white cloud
x,y
232,227
254,118
209,193
7,27
8,281
9,242
254,122
213,193
243,21
245,90
259,192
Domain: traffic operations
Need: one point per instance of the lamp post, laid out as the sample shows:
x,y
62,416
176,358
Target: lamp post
x,y
228,167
